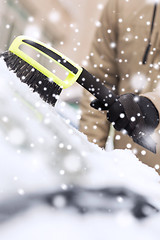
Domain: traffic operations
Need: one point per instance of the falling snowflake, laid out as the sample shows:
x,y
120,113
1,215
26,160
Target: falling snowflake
x,y
100,6
98,24
138,81
31,19
54,16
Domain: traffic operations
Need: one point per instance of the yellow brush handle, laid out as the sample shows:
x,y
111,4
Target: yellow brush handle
x,y
71,77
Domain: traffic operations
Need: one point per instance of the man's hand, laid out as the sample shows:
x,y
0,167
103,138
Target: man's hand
x,y
131,111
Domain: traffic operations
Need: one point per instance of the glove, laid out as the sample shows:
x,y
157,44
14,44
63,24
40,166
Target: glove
x,y
130,112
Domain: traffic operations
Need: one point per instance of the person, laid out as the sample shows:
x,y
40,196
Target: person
x,y
125,56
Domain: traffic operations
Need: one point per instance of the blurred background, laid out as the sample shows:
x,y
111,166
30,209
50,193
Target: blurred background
x,y
54,184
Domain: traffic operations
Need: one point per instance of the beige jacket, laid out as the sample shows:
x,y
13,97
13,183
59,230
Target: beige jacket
x,y
116,59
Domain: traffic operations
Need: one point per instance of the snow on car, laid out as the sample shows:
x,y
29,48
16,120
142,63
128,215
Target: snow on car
x,y
56,185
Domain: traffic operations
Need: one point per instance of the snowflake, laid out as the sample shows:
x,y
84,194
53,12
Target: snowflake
x,y
120,20
54,16
128,29
112,44
21,191
143,152
100,6
61,172
31,19
118,137
157,166
138,81
64,186
129,145
98,24
59,201
7,26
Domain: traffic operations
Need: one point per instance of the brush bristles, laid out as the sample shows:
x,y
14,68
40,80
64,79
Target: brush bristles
x,y
47,89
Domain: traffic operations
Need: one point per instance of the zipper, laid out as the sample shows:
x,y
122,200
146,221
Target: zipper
x,y
146,53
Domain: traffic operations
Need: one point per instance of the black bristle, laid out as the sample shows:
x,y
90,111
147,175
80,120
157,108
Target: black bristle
x,y
48,90
30,81
14,66
14,63
20,64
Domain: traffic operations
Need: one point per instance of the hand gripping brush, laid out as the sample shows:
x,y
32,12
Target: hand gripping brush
x,y
49,86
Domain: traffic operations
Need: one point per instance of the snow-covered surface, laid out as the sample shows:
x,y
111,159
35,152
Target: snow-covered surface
x,y
41,151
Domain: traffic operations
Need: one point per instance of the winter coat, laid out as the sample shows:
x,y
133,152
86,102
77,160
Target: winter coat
x,y
116,58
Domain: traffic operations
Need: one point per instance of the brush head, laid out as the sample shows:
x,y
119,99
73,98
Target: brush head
x,y
48,90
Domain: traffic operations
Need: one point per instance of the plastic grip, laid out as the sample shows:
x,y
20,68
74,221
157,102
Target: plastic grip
x,y
96,88
60,59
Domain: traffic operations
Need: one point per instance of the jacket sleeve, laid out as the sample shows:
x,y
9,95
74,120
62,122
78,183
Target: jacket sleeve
x,y
102,64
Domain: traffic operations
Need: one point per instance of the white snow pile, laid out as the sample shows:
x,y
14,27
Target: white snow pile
x,y
121,167
41,151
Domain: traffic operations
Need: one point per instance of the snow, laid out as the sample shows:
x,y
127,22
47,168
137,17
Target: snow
x,y
33,30
41,150
139,81
54,16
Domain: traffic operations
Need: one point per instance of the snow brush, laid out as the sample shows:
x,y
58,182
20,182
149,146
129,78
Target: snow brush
x,y
49,86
